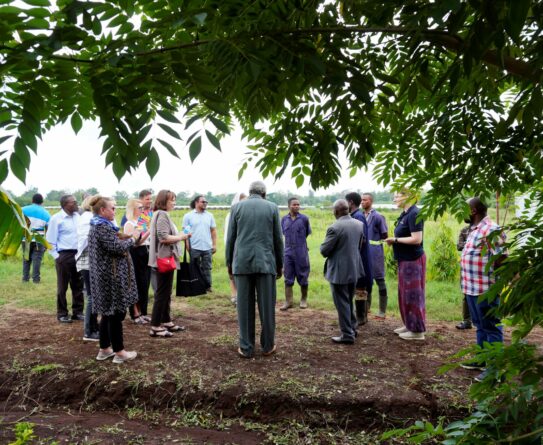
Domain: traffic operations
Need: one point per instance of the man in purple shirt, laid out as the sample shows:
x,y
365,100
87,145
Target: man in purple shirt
x,y
296,229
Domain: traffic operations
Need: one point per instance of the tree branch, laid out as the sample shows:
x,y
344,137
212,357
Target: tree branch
x,y
452,42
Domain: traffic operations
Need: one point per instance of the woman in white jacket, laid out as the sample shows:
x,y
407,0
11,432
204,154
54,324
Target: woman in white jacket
x,y
90,325
237,198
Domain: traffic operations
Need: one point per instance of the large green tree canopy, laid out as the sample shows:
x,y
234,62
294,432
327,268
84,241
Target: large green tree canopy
x,y
446,93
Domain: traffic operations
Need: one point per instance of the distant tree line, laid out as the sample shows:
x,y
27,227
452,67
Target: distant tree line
x,y
52,198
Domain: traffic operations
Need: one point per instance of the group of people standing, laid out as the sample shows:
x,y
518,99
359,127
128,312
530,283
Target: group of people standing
x,y
117,267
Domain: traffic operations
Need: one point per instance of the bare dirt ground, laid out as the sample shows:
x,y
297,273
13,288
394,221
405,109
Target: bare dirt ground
x,y
193,388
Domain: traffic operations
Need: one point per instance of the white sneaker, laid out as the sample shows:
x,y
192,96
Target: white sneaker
x,y
130,355
104,355
401,330
412,335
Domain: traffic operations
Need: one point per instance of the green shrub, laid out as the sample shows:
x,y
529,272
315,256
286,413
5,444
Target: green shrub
x,y
443,264
391,265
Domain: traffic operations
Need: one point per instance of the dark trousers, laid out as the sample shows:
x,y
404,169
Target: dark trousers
x,y
111,331
204,259
90,325
35,256
67,274
488,325
343,295
163,298
259,289
465,310
140,259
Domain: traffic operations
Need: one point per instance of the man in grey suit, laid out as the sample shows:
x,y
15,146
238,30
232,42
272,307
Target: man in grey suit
x,y
254,256
344,267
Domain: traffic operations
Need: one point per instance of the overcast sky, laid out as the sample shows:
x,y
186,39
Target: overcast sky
x,y
66,161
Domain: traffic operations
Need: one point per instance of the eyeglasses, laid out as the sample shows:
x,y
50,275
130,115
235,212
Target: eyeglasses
x,y
203,202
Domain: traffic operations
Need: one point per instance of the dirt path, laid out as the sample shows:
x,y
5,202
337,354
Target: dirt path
x,y
195,386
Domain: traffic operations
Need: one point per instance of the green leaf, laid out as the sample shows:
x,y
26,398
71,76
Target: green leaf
x,y
36,23
76,122
169,147
17,168
300,180
37,2
21,152
220,125
28,137
242,170
170,131
38,12
118,167
4,139
191,121
9,10
518,10
412,93
195,148
166,115
152,163
213,139
3,170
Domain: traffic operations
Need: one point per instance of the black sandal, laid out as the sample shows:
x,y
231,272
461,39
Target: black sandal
x,y
160,333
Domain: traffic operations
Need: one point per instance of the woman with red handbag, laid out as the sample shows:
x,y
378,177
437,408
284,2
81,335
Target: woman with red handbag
x,y
164,255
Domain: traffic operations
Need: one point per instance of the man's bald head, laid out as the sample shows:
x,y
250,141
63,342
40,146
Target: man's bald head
x,y
341,208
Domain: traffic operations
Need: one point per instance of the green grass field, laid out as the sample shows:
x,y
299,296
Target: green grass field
x,y
443,299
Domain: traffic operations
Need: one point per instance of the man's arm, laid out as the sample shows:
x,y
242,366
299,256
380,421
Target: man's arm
x,y
278,243
329,243
231,239
51,237
213,231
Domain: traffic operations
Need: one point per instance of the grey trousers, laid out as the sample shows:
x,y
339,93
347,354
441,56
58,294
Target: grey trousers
x,y
343,299
259,288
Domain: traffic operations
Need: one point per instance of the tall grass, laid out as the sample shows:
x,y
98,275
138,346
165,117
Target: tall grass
x,y
443,299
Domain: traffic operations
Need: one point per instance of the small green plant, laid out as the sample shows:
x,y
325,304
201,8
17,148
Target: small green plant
x,y
24,433
443,264
40,369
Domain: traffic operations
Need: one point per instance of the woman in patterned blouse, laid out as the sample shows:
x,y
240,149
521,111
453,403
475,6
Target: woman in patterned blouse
x,y
113,284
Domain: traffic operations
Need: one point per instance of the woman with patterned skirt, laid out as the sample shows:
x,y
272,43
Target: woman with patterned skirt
x,y
409,252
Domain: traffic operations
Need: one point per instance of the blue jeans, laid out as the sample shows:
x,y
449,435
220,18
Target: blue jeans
x,y
35,257
488,325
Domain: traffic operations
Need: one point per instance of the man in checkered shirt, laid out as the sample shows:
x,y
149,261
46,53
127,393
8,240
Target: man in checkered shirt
x,y
476,280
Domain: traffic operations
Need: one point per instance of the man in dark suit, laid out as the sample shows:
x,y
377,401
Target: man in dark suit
x,y
254,256
344,267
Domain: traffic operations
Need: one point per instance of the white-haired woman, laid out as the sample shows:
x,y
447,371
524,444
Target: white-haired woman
x,y
140,258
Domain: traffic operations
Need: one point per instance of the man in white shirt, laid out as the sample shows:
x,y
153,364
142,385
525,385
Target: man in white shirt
x,y
62,235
